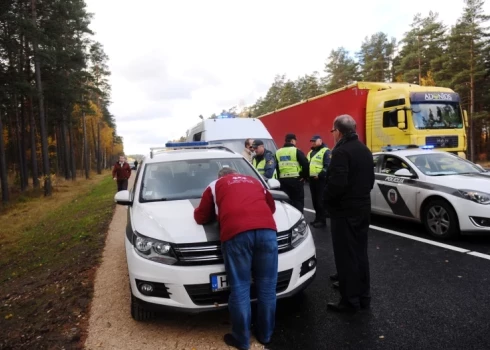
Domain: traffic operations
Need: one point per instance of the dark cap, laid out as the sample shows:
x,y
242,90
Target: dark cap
x,y
257,143
290,137
315,137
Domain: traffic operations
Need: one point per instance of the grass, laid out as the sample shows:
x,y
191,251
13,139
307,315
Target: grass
x,y
49,248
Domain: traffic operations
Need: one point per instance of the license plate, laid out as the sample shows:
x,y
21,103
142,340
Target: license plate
x,y
219,282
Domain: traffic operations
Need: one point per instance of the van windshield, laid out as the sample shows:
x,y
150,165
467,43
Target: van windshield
x,y
238,145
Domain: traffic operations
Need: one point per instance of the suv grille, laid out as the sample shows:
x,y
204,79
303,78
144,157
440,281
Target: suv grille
x,y
209,253
201,294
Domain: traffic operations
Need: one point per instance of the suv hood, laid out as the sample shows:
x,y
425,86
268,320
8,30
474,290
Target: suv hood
x,y
173,221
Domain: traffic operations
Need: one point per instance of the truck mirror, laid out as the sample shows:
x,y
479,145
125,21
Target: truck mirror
x,y
400,116
465,114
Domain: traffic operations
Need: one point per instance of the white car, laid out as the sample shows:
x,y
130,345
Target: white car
x,y
174,262
448,194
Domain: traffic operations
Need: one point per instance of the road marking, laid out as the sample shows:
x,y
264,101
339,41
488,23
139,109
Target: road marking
x,y
423,240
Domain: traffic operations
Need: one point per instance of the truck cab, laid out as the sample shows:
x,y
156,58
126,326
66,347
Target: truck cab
x,y
231,133
409,114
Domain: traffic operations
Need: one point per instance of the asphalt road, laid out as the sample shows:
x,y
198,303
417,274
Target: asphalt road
x,y
424,296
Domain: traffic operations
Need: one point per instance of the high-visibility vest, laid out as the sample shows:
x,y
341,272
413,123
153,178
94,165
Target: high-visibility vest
x,y
287,162
261,167
316,163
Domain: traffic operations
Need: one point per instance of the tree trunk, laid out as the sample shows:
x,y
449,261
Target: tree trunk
x,y
23,140
44,135
19,140
35,173
85,146
99,151
472,103
72,153
3,166
65,147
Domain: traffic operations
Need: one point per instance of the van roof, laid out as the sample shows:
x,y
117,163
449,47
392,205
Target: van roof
x,y
233,128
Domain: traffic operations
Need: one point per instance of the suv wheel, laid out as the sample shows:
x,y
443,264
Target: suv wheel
x,y
139,312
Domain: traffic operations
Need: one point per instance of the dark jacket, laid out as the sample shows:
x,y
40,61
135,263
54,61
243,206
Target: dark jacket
x,y
121,172
350,178
302,160
326,159
270,163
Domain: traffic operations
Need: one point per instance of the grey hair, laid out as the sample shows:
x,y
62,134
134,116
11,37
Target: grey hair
x,y
226,171
345,124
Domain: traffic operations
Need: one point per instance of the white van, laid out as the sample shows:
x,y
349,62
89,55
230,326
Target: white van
x,y
231,133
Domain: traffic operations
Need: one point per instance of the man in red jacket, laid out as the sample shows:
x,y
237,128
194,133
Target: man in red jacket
x,y
121,173
244,210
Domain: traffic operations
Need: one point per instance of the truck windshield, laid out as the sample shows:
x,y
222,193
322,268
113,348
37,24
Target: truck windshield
x,y
442,115
186,179
238,145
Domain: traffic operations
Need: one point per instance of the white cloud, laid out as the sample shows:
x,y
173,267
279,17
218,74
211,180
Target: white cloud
x,y
174,60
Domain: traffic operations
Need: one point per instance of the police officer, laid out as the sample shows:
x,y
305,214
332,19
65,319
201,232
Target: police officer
x,y
292,170
319,159
264,160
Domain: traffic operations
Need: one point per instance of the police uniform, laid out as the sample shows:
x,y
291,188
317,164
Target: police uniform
x,y
292,169
319,159
264,163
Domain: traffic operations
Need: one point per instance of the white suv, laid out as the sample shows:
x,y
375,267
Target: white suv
x,y
174,262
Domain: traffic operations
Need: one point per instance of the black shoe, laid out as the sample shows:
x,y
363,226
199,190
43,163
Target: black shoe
x,y
342,308
336,285
230,340
319,224
334,277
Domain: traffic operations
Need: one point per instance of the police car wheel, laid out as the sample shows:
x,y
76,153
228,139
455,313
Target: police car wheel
x,y
440,219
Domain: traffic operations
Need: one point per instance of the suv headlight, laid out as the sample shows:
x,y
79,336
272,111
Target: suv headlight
x,y
475,196
299,232
154,250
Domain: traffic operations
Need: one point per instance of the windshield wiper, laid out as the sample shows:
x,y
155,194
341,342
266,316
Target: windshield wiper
x,y
158,200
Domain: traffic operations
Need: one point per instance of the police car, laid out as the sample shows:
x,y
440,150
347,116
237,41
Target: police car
x,y
448,194
174,262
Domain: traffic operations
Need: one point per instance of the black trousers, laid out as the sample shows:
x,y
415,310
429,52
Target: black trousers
x,y
122,185
317,188
350,237
295,189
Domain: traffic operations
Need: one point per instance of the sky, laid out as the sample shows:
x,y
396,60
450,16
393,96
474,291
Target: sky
x,y
172,61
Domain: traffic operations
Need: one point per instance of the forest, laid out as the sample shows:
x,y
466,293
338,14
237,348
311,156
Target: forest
x,y
54,96
430,53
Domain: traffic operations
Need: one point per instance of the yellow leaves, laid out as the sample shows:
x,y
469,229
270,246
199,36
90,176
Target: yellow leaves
x,y
9,316
399,78
428,80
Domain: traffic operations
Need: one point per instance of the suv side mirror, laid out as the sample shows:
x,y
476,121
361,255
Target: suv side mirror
x,y
400,116
123,198
274,184
403,172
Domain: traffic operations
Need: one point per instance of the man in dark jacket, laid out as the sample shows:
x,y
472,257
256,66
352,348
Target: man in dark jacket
x,y
121,172
248,233
292,170
319,159
350,179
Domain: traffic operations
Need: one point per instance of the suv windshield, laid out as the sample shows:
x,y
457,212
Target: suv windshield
x,y
186,179
239,145
439,164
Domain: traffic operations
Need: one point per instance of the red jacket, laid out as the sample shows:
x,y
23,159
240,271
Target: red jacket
x,y
121,172
241,203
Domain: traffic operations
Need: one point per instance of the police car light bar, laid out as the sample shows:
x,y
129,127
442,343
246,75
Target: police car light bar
x,y
403,147
186,144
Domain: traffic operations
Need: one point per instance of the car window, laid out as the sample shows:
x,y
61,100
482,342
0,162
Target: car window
x,y
186,179
375,162
438,164
392,164
239,145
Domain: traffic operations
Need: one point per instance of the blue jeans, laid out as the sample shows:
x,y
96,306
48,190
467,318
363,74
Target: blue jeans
x,y
249,251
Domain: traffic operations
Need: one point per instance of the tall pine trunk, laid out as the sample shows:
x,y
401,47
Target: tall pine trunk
x,y
73,165
85,146
65,148
35,173
3,165
42,124
99,151
19,140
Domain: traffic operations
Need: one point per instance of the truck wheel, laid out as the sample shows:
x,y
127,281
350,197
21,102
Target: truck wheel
x,y
139,312
440,219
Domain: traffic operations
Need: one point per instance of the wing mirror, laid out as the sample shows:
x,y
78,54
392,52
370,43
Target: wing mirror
x,y
280,196
123,198
274,184
465,115
400,115
404,172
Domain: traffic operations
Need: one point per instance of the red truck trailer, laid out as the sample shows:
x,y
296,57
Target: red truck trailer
x,y
385,113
